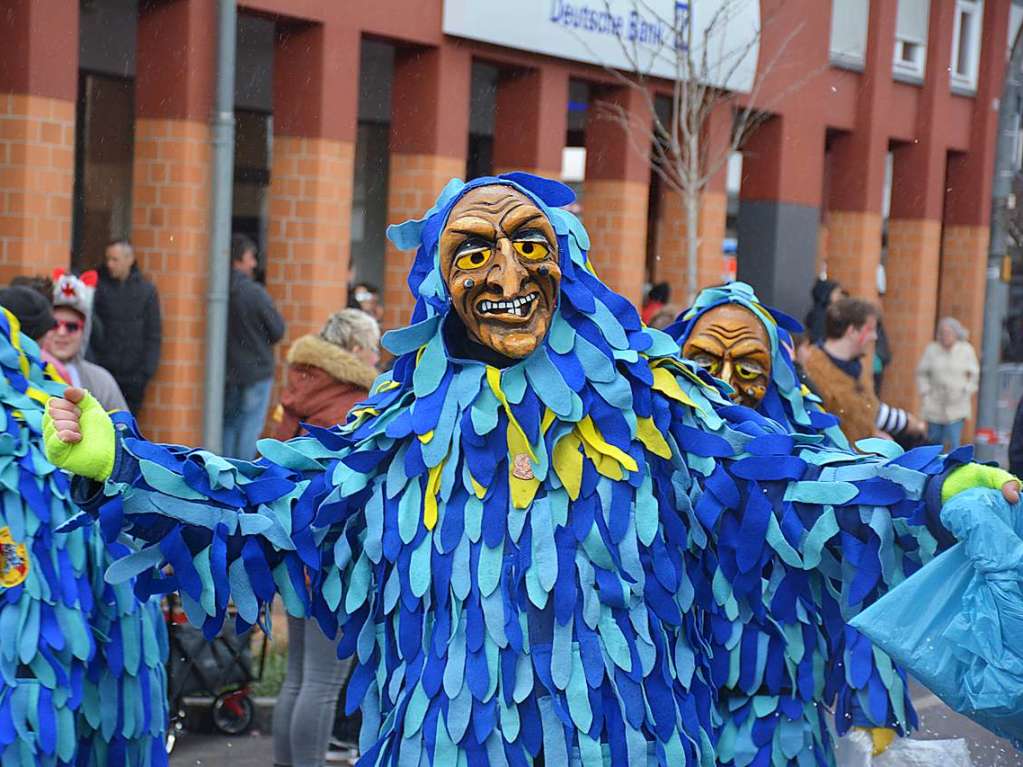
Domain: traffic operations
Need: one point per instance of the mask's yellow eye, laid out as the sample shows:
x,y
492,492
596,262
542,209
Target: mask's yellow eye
x,y
532,250
711,364
748,373
474,259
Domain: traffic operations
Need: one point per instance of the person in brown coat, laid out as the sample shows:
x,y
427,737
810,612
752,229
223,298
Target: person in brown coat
x,y
327,374
844,383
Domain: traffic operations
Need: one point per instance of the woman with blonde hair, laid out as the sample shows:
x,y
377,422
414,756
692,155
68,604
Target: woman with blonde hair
x,y
946,379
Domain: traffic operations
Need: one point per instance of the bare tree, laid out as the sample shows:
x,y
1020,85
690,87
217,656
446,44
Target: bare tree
x,y
703,70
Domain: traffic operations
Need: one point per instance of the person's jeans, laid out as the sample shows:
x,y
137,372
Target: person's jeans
x,y
947,434
244,413
304,713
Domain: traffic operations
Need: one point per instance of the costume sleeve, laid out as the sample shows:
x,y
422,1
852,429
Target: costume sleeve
x,y
229,529
801,536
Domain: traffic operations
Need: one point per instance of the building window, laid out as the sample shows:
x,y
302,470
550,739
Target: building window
x,y
966,44
104,141
911,40
848,33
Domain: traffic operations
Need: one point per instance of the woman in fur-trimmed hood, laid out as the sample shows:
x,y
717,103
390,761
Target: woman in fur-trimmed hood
x,y
328,373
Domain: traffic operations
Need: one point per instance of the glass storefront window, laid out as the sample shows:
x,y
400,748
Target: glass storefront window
x,y
105,132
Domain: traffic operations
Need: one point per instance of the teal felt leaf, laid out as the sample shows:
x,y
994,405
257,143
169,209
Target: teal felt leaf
x,y
410,512
419,571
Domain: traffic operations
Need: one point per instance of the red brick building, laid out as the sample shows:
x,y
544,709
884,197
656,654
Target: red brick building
x,y
352,115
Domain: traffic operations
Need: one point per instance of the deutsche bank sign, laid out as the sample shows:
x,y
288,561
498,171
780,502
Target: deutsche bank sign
x,y
617,33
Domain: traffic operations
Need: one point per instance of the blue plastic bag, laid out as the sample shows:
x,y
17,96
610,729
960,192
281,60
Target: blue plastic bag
x,y
957,623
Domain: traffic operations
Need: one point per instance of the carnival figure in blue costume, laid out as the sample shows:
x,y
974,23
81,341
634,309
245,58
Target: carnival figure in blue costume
x,y
729,333
82,660
509,531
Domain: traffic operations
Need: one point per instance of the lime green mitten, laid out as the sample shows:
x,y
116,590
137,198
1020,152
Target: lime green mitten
x,y
93,457
972,475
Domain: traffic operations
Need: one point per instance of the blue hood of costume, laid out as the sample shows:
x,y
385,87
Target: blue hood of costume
x,y
608,322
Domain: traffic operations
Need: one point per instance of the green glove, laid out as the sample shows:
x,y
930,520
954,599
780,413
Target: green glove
x,y
93,456
971,475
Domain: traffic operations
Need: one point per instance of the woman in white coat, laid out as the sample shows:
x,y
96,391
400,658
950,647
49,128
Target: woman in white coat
x,y
947,379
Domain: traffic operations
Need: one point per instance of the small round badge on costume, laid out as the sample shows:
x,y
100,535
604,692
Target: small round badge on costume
x,y
13,560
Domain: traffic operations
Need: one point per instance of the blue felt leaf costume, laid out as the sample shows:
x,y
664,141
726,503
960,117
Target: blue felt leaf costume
x,y
498,613
842,665
82,662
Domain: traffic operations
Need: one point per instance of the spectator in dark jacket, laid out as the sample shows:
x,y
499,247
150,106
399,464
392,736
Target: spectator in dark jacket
x,y
254,326
1016,442
127,307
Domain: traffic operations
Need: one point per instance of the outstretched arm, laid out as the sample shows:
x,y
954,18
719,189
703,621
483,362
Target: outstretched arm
x,y
228,528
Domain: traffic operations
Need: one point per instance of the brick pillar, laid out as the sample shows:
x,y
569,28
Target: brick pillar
x,y
531,120
429,142
671,248
914,227
170,194
617,193
311,179
965,240
37,134
968,200
779,210
858,168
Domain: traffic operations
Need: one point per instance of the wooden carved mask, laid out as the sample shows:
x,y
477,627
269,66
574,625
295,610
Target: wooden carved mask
x,y
731,343
499,259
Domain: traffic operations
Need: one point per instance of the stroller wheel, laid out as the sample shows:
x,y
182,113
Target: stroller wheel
x,y
233,712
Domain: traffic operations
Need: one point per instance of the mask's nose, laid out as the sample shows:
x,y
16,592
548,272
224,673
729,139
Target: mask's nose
x,y
507,275
726,374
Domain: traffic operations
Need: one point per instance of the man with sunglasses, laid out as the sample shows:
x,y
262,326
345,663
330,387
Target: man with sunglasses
x,y
69,338
835,365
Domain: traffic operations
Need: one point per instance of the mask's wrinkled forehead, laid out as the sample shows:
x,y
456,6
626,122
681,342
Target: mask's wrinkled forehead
x,y
779,325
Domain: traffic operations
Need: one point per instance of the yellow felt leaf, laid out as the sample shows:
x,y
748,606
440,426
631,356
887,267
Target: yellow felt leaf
x,y
547,420
364,411
648,434
39,396
494,379
593,438
665,383
477,488
568,463
604,464
522,490
430,499
387,386
424,438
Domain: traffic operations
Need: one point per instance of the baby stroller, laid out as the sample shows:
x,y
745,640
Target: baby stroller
x,y
221,669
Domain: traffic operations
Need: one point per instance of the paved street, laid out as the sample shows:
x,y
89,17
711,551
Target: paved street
x,y
251,750
939,721
936,720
